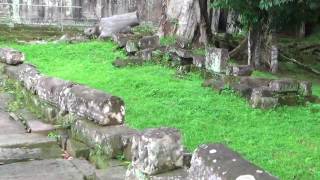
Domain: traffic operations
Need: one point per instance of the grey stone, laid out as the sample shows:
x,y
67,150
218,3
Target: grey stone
x,y
52,90
305,88
289,99
11,56
145,54
121,39
148,42
113,139
240,70
131,47
77,149
157,150
178,174
113,172
215,161
98,106
199,61
183,53
26,74
25,140
216,59
264,98
9,126
284,85
49,170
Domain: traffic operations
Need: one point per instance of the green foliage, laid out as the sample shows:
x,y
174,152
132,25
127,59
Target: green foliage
x,y
54,135
144,29
285,141
168,40
98,157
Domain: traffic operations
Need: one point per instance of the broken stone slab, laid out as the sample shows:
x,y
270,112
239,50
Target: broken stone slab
x,y
25,140
33,124
26,74
121,39
117,23
98,106
77,149
131,47
284,85
216,161
183,53
11,56
305,88
145,54
148,42
52,90
13,155
216,60
49,169
157,150
131,61
114,140
264,98
240,70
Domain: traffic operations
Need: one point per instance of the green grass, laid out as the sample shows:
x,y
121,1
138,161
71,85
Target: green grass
x,y
284,141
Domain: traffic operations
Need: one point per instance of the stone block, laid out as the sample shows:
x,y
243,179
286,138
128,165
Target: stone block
x,y
215,161
199,61
77,149
52,90
240,70
157,150
305,88
263,98
98,106
145,54
26,74
111,138
11,56
289,100
148,42
131,61
284,85
217,60
131,47
121,39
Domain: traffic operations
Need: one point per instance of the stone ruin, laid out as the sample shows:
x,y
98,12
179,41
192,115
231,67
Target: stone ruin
x,y
261,93
98,119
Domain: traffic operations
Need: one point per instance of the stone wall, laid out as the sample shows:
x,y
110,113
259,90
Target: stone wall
x,y
53,11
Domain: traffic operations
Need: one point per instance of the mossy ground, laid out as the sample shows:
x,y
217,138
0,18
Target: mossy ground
x,y
285,141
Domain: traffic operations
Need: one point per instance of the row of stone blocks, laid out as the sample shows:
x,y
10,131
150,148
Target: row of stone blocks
x,y
154,153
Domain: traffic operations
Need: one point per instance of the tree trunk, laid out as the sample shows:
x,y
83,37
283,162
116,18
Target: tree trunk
x,y
254,47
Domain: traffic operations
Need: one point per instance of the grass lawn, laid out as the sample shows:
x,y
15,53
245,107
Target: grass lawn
x,y
284,141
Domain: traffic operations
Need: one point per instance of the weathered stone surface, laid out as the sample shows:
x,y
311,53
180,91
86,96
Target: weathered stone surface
x,y
263,98
199,61
52,89
289,100
12,155
215,161
305,88
111,138
77,149
9,126
100,107
48,169
157,150
240,70
179,174
131,47
149,42
145,54
216,60
121,39
115,171
11,56
284,85
116,23
27,74
92,32
25,140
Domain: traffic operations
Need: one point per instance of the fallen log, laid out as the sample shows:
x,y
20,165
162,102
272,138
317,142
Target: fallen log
x,y
118,23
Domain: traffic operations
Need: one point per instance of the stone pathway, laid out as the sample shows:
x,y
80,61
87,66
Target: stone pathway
x,y
35,156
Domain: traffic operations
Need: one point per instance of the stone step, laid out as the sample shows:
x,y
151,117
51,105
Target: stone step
x,y
49,170
25,140
13,155
116,171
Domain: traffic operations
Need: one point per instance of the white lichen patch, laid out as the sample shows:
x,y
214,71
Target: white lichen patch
x,y
259,171
246,177
212,151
